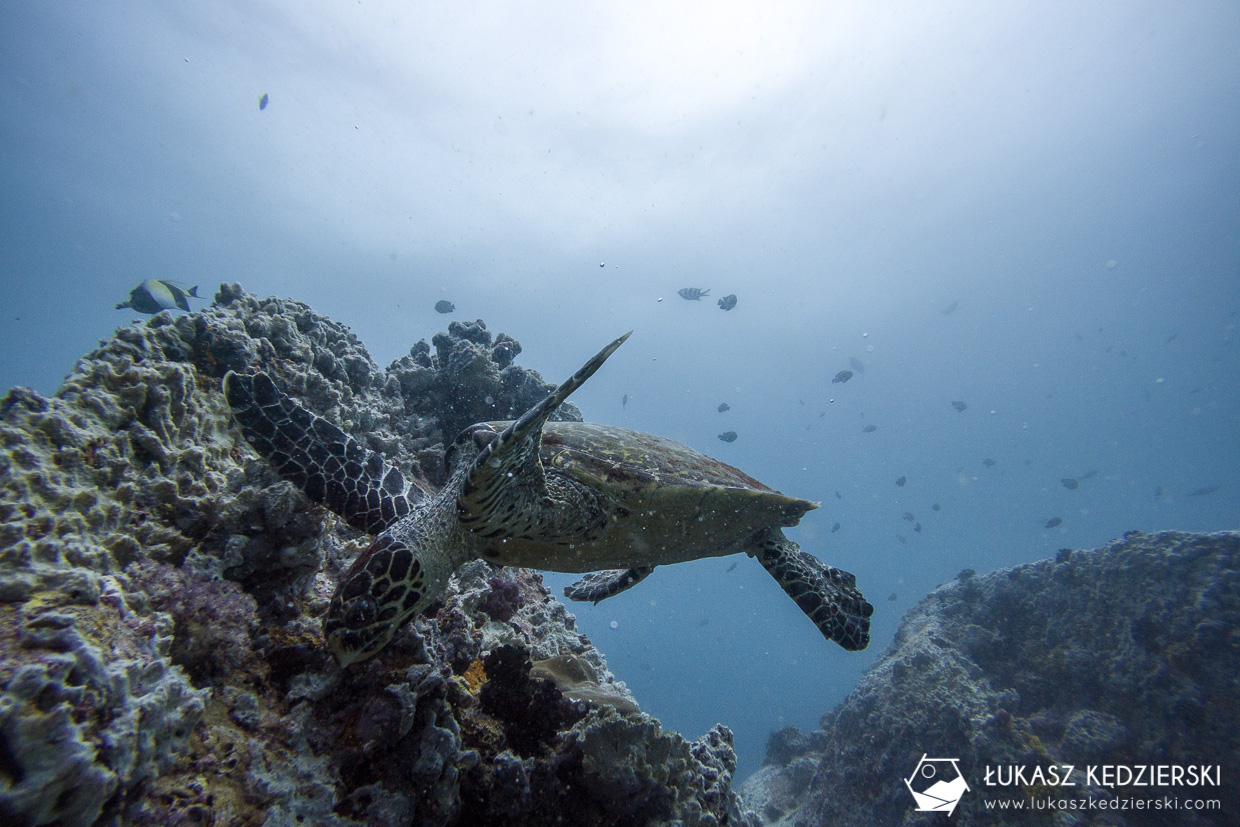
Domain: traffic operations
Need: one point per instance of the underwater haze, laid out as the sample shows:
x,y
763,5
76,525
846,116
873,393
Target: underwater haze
x,y
1016,225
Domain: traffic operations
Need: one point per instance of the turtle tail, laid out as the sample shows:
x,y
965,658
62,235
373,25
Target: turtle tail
x,y
827,595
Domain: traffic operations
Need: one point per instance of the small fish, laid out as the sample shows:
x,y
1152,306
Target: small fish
x,y
842,376
855,364
262,102
1070,483
1203,491
908,516
988,462
1054,521
731,567
624,401
869,429
723,406
936,507
728,436
835,528
900,482
960,406
951,308
727,302
893,596
693,294
154,295
444,306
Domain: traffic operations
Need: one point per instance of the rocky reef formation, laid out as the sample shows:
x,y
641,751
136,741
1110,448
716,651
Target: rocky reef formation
x,y
1124,655
161,661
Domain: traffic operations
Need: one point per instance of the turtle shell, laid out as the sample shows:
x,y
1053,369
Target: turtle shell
x,y
664,501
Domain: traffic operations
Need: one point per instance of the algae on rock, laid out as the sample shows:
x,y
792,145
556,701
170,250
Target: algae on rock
x,y
1128,654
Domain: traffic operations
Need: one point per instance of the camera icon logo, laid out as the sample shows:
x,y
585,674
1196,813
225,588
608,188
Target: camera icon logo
x,y
937,784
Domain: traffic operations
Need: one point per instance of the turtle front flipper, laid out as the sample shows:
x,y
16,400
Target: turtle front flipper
x,y
506,494
329,466
828,595
600,585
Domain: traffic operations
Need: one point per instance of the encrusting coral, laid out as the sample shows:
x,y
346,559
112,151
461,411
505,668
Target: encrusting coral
x,y
161,660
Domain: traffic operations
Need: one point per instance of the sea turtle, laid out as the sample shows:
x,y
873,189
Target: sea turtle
x,y
560,496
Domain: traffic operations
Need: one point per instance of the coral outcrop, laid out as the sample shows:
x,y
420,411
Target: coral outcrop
x,y
161,660
1124,655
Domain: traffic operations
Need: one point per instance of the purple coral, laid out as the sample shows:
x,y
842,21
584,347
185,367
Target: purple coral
x,y
502,601
212,618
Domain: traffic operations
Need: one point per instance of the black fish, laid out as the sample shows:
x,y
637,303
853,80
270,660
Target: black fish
x,y
856,365
1201,492
842,376
727,302
444,306
723,406
1054,521
262,102
1070,483
728,436
624,401
900,482
936,507
988,462
951,308
154,295
1090,474
892,596
731,567
960,406
917,527
693,294
837,496
869,429
908,516
835,528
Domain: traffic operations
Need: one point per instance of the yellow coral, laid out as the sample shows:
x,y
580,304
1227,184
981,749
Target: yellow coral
x,y
475,676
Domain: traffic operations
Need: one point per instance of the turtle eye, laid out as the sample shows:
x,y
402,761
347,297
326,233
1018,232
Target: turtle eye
x,y
361,612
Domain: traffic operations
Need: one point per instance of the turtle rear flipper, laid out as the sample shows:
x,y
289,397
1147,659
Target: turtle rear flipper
x,y
600,585
329,466
828,595
506,494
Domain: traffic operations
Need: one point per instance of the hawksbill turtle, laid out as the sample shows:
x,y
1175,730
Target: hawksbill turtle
x,y
558,496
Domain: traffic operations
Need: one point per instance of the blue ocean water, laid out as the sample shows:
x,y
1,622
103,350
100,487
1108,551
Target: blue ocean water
x,y
1031,209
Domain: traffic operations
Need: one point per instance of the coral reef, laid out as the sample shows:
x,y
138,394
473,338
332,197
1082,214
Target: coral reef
x,y
1128,654
161,660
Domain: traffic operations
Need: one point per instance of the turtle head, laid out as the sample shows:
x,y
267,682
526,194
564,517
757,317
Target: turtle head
x,y
384,587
